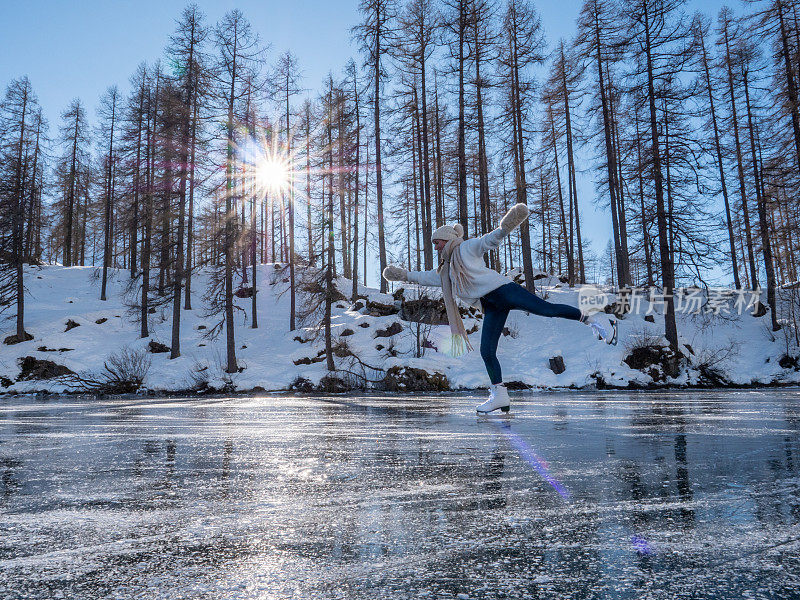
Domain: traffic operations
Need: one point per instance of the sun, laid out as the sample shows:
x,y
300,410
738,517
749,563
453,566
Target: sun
x,y
272,173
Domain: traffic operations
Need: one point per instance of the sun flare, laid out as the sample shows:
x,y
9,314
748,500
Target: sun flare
x,y
272,174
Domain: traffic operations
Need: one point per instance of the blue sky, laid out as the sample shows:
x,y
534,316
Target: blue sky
x,y
77,48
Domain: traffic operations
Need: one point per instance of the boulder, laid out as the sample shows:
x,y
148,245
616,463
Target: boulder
x,y
410,379
157,347
391,330
557,365
380,309
13,339
424,310
34,368
659,362
333,384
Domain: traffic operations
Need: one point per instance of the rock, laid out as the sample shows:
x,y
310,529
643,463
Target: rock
x,y
788,362
357,306
151,310
34,368
650,318
364,325
347,332
301,384
101,320
411,379
557,365
659,362
308,361
391,330
200,327
244,292
379,347
643,357
517,385
72,325
379,309
342,350
760,310
157,347
46,349
12,339
424,310
297,338
333,384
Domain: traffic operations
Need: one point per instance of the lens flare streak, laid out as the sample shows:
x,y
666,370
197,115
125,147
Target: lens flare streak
x,y
640,544
529,455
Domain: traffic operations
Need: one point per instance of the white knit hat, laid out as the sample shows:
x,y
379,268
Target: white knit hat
x,y
448,232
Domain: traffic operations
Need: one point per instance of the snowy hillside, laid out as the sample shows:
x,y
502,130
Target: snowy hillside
x,y
75,331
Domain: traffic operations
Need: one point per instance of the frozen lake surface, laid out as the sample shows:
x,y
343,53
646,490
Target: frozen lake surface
x,y
576,495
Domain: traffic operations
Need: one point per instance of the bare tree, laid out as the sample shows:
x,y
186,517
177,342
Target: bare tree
x,y
239,54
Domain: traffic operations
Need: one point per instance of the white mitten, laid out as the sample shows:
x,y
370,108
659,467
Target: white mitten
x,y
393,273
514,217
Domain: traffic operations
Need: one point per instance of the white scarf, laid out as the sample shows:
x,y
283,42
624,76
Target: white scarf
x,y
454,279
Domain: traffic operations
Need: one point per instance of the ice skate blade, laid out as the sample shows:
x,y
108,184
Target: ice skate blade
x,y
614,333
504,409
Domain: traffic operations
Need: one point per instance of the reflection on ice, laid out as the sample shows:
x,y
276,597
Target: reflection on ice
x,y
582,495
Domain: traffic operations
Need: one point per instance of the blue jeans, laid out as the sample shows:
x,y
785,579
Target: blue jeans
x,y
496,306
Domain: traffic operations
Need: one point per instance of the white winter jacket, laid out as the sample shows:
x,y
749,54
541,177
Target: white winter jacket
x,y
482,279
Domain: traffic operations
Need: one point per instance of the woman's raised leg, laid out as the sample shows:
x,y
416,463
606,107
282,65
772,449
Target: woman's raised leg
x,y
517,297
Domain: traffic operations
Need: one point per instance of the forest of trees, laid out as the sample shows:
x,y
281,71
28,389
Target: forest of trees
x,y
454,110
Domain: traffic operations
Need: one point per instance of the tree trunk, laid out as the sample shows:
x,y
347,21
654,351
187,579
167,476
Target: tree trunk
x,y
109,201
790,83
761,202
190,224
68,260
354,294
720,164
519,163
230,339
462,154
740,166
378,172
425,157
292,282
667,274
18,222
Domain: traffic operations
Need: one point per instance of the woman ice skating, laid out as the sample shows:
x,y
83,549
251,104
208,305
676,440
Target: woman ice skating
x,y
463,273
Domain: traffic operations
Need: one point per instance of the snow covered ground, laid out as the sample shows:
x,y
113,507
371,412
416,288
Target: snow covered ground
x,y
740,348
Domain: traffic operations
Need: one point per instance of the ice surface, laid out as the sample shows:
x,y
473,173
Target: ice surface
x,y
671,495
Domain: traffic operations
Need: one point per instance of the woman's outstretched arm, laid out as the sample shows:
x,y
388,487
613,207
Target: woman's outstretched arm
x,y
492,240
430,278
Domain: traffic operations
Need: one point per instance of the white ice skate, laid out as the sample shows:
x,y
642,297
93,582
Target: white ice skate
x,y
498,398
601,331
